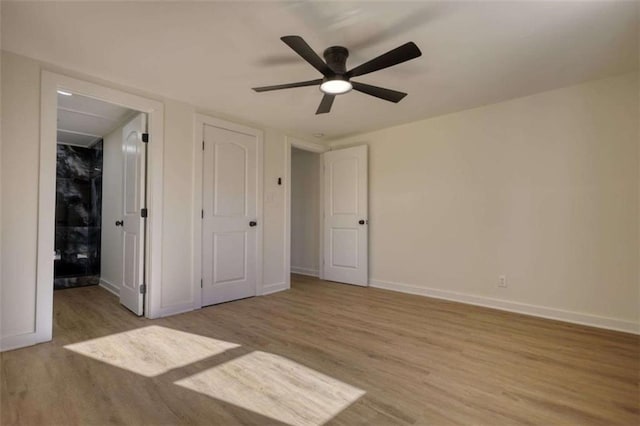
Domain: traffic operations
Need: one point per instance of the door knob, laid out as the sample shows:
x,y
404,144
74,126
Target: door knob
x,y
362,222
119,222
253,223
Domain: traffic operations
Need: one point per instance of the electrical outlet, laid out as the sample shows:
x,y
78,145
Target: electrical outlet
x,y
502,281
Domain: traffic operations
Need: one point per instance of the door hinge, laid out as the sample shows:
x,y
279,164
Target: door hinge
x,y
145,137
144,212
200,283
143,288
203,145
202,214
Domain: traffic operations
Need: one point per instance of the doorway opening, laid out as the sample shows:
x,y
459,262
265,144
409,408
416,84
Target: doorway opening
x,y
100,194
305,212
327,213
304,189
51,85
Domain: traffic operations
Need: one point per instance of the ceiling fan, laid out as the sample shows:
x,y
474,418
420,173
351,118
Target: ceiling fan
x,y
337,80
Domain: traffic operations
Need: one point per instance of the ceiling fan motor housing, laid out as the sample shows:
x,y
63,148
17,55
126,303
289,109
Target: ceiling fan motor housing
x,y
336,59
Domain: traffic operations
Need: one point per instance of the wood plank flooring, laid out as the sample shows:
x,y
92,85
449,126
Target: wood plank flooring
x,y
321,353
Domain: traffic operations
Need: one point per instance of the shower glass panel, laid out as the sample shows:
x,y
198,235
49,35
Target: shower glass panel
x,y
78,216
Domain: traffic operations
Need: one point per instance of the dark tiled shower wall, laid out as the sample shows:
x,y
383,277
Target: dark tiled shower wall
x,y
78,216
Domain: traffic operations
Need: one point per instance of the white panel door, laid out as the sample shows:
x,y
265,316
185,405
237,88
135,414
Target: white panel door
x,y
345,216
133,238
229,216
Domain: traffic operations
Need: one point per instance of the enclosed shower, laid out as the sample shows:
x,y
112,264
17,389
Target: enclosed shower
x,y
78,215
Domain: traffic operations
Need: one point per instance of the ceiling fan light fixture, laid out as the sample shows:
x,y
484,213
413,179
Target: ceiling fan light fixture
x,y
336,78
336,87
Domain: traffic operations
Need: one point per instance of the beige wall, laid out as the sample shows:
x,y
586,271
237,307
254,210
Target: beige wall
x,y
305,211
542,189
111,236
273,212
177,293
20,152
19,168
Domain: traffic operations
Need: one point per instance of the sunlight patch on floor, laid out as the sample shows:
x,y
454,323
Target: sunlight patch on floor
x,y
151,350
275,387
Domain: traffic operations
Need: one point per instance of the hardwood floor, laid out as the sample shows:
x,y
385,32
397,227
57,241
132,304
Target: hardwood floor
x,y
319,353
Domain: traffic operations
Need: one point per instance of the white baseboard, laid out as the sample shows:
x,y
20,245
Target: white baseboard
x,y
274,288
304,271
179,308
521,308
110,287
15,342
18,341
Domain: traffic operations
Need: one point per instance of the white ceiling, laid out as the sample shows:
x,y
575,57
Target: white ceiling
x,y
82,121
210,54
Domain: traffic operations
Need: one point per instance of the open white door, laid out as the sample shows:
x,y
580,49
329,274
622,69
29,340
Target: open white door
x,y
133,239
229,215
345,216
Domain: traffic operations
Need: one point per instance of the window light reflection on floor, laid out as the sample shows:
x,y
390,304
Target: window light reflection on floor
x,y
151,350
275,387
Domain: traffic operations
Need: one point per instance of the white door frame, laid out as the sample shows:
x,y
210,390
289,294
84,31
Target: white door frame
x,y
50,84
196,268
311,147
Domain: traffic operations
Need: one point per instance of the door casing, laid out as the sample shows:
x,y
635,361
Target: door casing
x,y
50,83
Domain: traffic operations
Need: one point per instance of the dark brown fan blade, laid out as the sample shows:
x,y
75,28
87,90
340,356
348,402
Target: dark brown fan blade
x,y
325,104
306,52
379,92
393,57
289,86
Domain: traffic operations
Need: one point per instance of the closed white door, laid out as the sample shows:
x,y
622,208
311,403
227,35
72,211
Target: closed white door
x,y
229,216
345,216
133,240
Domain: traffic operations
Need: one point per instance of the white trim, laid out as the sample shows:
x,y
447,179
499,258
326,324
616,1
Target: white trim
x,y
178,308
274,288
517,307
110,287
46,207
196,218
305,271
8,343
321,218
50,83
196,265
287,213
307,146
77,144
291,142
73,132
